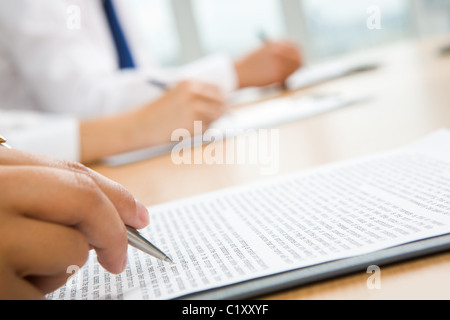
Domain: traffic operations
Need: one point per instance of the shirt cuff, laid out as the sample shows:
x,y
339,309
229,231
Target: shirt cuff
x,y
218,69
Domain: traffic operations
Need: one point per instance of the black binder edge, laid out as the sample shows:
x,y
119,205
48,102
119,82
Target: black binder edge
x,y
255,288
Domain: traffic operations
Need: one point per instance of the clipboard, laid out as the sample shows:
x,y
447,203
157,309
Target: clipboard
x,y
325,271
281,276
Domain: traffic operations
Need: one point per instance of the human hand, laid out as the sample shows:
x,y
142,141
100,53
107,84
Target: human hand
x,y
154,123
271,64
188,102
52,213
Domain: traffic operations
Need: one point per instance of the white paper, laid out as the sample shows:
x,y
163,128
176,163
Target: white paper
x,y
316,74
242,233
283,110
259,116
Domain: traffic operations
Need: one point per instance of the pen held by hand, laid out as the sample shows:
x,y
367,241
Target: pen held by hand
x,y
159,84
136,240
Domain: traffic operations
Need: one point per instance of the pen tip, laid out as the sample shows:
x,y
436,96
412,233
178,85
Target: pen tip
x,y
168,259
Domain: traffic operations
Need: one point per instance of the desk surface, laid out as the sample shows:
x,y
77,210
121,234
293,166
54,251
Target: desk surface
x,y
410,97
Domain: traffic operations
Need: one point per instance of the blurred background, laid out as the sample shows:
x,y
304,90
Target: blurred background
x,y
180,31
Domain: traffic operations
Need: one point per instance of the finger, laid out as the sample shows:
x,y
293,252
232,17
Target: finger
x,y
12,287
70,199
212,93
42,249
49,284
209,112
288,52
18,157
204,91
132,213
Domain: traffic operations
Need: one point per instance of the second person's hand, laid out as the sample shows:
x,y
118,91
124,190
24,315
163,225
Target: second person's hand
x,y
153,124
271,64
181,107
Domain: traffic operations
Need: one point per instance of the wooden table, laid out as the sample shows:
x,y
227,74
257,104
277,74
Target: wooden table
x,y
410,97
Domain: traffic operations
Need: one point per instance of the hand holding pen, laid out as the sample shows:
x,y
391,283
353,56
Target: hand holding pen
x,y
53,213
270,64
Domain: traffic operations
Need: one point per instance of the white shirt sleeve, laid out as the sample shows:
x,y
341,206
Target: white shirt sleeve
x,y
73,70
66,70
52,135
217,69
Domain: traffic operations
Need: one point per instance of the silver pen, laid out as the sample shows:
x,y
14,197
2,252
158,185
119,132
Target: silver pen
x,y
3,143
135,239
262,35
159,84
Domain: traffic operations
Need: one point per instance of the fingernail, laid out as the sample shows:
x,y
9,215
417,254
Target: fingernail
x,y
142,213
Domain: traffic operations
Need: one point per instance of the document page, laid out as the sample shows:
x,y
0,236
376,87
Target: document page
x,y
328,213
259,116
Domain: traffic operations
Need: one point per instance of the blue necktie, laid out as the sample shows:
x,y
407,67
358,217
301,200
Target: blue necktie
x,y
123,50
